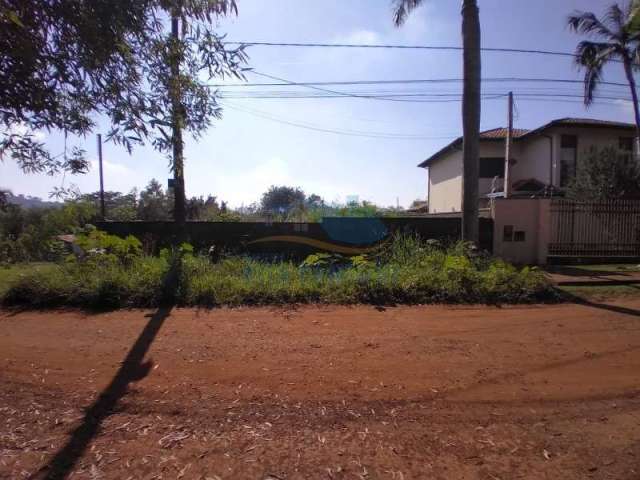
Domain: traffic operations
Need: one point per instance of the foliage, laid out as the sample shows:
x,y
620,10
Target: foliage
x,y
282,199
407,271
605,174
81,284
618,39
154,203
109,248
119,207
63,62
30,234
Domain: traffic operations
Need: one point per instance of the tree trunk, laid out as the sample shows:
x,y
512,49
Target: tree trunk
x,y
177,120
470,119
634,96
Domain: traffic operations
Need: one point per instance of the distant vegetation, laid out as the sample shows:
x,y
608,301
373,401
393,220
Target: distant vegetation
x,y
29,227
114,273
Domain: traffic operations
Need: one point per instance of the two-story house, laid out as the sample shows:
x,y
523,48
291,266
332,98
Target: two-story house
x,y
543,159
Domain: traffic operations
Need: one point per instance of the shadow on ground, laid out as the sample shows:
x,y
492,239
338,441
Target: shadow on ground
x,y
132,369
570,297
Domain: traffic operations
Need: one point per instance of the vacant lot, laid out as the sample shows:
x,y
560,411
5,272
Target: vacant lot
x,y
323,392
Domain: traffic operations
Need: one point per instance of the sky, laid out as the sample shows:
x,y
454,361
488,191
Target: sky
x,y
251,148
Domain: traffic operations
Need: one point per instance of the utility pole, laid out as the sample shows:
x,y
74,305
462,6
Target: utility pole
x,y
102,209
507,153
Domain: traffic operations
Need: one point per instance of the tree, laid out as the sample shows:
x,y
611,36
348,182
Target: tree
x,y
315,201
64,62
470,108
619,35
119,207
153,204
605,174
282,199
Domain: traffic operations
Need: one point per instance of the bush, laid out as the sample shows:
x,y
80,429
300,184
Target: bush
x,y
81,284
405,271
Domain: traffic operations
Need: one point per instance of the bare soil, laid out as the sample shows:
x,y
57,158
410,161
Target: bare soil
x,y
537,392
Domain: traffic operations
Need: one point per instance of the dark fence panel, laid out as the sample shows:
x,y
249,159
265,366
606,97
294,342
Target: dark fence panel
x,y
345,235
608,229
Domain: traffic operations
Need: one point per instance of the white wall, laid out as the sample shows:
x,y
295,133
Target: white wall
x,y
532,156
445,183
587,138
531,216
533,160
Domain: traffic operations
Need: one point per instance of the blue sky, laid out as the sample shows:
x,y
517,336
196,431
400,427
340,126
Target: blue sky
x,y
244,153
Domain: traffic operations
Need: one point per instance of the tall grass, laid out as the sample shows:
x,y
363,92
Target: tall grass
x,y
406,271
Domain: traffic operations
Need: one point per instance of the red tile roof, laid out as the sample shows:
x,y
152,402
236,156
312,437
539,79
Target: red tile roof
x,y
501,133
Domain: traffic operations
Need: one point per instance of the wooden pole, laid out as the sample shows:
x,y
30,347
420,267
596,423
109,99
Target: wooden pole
x,y
507,153
102,208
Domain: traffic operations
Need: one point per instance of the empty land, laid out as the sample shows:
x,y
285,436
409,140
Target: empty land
x,y
544,392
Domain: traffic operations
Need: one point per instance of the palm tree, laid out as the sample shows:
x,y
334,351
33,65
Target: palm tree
x,y
470,108
619,37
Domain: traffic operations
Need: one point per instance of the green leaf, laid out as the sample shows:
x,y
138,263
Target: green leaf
x,y
13,16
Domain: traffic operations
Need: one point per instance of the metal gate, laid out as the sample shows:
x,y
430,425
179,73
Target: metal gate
x,y
595,229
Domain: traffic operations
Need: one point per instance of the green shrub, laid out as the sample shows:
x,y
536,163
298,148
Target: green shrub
x,y
81,284
405,271
98,243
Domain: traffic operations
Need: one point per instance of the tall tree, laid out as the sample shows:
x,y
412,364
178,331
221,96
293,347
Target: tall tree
x,y
618,35
282,199
153,204
470,107
64,62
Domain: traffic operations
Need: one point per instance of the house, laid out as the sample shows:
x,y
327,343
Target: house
x,y
543,160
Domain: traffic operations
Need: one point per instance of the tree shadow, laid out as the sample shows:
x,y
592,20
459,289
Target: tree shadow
x,y
132,369
570,271
603,306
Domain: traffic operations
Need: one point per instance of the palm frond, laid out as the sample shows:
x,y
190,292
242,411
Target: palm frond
x,y
588,24
402,9
592,56
616,17
634,16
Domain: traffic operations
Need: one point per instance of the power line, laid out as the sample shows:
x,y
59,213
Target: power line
x,y
335,92
426,97
353,133
410,81
399,47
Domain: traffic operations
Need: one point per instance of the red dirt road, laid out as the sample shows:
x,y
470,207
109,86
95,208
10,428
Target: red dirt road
x,y
540,392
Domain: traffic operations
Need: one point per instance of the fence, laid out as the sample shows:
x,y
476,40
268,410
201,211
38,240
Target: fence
x,y
350,236
595,229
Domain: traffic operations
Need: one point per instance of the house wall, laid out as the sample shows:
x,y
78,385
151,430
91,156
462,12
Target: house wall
x,y
587,138
531,216
533,160
445,178
445,184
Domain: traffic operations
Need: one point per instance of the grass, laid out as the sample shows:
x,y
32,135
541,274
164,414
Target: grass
x,y
408,271
91,285
11,273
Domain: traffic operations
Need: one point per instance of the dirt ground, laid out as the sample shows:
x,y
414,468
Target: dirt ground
x,y
536,392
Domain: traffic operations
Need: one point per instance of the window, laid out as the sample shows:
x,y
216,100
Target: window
x,y
568,158
519,236
491,167
507,233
